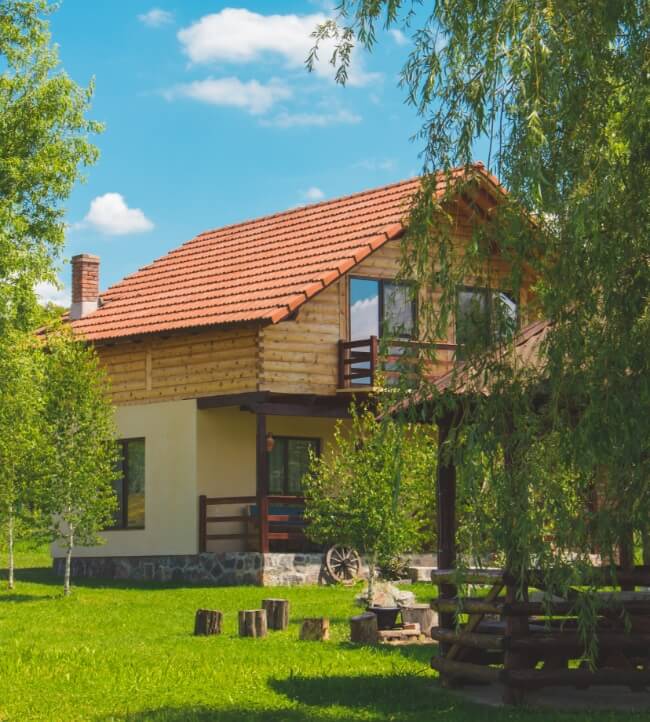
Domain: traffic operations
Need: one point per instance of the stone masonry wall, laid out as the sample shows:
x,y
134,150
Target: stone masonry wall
x,y
226,569
222,569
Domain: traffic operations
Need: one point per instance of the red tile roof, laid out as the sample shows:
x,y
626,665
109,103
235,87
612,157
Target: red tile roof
x,y
257,271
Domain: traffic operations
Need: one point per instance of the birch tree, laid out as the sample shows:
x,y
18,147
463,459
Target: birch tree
x,y
20,404
80,448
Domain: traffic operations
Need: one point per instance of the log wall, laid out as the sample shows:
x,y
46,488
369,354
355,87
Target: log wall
x,y
217,361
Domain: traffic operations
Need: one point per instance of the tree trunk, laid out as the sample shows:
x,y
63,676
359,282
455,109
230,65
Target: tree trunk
x,y
363,628
252,623
277,613
315,629
207,622
68,564
372,564
423,615
11,548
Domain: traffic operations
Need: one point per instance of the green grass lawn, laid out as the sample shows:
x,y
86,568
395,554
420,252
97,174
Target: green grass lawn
x,y
126,652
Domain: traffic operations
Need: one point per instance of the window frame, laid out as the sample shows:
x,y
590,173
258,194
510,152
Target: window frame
x,y
380,305
123,524
285,461
487,291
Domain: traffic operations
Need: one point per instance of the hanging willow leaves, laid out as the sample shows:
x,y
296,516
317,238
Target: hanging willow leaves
x,y
560,91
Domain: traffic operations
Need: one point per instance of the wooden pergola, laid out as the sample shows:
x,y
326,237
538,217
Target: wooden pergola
x,y
506,638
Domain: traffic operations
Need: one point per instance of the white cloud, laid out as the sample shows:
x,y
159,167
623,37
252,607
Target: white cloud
x,y
237,35
110,214
49,293
313,194
252,96
398,36
156,18
363,318
319,120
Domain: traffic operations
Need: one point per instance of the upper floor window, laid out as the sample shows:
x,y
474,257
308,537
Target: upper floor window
x,y
381,308
129,487
484,315
289,462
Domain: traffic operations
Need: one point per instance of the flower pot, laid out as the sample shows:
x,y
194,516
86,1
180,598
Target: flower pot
x,y
386,616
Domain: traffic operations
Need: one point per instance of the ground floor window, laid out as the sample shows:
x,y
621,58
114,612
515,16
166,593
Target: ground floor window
x,y
129,487
289,462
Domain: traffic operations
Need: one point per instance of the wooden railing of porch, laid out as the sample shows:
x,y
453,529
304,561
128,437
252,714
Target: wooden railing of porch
x,y
360,361
271,527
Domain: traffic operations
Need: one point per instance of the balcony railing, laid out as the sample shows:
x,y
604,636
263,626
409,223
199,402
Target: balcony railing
x,y
259,521
362,360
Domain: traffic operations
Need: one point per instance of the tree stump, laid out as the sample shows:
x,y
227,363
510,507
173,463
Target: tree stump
x,y
363,628
207,622
423,615
252,623
315,629
277,613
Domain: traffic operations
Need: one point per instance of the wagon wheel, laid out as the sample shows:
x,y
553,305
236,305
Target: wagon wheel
x,y
342,563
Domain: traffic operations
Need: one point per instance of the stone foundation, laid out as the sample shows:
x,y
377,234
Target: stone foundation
x,y
226,569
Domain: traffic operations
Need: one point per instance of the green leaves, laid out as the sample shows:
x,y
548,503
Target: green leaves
x,y
44,140
372,490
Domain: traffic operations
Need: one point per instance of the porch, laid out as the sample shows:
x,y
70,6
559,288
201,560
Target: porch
x,y
254,448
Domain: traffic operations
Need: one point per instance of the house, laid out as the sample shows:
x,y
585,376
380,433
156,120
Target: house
x,y
231,358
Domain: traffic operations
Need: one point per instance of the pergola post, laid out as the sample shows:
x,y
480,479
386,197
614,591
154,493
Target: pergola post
x,y
262,466
446,505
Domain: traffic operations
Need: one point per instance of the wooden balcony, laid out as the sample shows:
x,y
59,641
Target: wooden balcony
x,y
265,523
363,360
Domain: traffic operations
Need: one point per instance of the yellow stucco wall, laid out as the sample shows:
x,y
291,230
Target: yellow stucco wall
x,y
187,453
171,517
226,458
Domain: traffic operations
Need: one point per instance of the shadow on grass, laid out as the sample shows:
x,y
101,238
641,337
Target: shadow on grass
x,y
415,652
206,714
35,575
18,598
381,698
396,693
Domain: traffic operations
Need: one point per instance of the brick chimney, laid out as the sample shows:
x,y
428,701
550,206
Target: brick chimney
x,y
85,285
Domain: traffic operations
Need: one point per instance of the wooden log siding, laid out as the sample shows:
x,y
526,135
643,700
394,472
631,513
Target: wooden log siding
x,y
177,366
301,356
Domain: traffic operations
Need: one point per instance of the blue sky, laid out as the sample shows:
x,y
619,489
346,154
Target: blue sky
x,y
211,119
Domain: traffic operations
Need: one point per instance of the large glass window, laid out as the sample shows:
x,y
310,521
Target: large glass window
x,y
289,462
482,316
380,308
129,487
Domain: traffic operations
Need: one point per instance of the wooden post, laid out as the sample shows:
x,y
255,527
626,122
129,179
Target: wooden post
x,y
203,513
342,356
262,463
626,558
374,354
315,629
277,613
252,623
516,626
363,628
446,498
207,622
